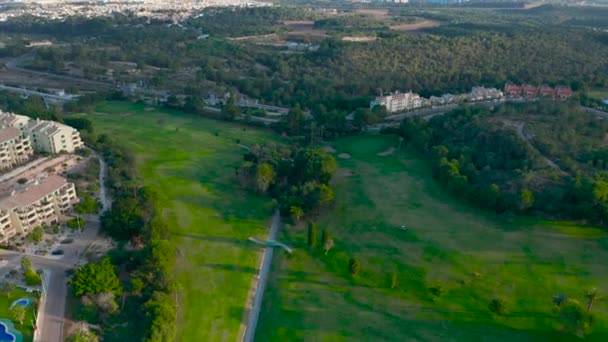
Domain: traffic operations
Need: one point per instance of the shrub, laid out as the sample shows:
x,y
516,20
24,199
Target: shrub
x,y
32,278
354,266
498,306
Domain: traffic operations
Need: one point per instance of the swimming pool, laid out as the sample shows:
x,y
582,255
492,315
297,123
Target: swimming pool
x,y
25,302
8,333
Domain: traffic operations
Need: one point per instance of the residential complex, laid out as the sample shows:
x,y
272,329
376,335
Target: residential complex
x,y
398,102
45,136
528,90
15,148
40,202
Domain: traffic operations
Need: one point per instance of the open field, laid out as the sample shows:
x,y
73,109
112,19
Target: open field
x,y
415,26
26,328
472,256
190,162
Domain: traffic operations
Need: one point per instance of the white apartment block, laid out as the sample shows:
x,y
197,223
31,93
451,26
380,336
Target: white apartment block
x,y
53,137
398,102
41,202
15,148
45,136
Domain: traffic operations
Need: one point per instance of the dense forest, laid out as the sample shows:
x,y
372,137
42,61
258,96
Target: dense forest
x,y
541,157
469,48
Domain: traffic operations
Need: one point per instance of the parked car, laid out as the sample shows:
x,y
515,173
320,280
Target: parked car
x,y
57,252
66,241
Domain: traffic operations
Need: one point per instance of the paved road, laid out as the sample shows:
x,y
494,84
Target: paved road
x,y
51,314
254,313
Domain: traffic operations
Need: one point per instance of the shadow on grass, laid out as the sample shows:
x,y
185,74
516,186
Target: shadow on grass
x,y
233,268
244,243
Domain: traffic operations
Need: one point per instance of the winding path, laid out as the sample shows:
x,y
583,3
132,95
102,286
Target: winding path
x,y
254,312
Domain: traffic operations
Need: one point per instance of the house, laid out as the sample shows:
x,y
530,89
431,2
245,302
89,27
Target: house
x,y
39,202
562,92
513,89
529,90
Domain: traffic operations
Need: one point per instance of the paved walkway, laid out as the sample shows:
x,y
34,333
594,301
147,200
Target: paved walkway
x,y
254,312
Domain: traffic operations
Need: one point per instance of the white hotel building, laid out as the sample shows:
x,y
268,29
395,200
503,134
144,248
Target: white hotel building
x,y
398,102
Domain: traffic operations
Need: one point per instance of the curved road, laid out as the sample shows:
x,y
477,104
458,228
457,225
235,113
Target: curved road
x,y
254,313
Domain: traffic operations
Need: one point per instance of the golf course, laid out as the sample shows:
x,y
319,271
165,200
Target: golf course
x,y
190,162
430,265
448,261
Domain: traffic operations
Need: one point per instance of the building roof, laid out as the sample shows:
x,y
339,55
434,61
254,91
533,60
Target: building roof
x,y
48,128
33,193
9,133
9,119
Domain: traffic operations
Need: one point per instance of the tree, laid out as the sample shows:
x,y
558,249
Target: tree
x,y
363,117
96,278
574,317
230,110
591,295
325,236
312,235
295,120
559,299
75,223
17,313
82,335
498,306
394,281
354,266
526,199
264,177
296,213
26,264
32,278
36,235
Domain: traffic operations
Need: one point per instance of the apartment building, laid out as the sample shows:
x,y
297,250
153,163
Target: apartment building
x,y
53,137
44,136
40,202
398,102
15,148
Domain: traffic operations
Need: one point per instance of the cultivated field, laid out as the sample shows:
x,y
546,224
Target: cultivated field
x,y
393,217
190,162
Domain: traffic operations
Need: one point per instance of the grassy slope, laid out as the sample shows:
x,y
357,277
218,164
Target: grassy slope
x,y
26,328
209,214
474,256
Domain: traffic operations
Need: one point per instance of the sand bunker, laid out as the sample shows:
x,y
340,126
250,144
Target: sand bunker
x,y
329,149
388,152
344,155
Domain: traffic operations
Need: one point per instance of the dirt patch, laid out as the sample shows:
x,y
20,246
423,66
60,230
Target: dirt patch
x,y
329,149
376,13
346,172
359,39
416,26
344,156
388,152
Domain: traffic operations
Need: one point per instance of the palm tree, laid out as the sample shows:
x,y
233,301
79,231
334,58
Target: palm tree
x,y
559,299
591,295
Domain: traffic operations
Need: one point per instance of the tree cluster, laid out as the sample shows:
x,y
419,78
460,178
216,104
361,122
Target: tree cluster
x,y
297,178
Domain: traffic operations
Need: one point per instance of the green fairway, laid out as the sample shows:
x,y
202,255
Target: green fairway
x,y
473,256
190,162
